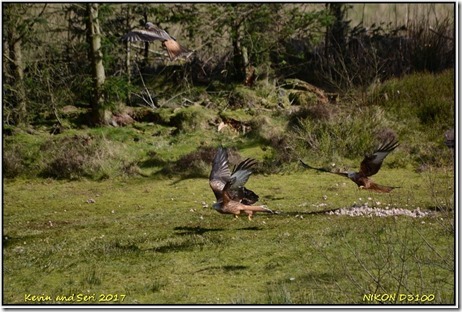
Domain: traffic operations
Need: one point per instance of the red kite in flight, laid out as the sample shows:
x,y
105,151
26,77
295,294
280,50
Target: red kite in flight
x,y
152,33
369,166
232,197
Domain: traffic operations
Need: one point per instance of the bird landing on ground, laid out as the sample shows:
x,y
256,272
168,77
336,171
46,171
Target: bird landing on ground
x,y
234,207
228,187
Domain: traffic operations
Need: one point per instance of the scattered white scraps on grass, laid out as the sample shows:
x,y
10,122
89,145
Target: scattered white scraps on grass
x,y
360,211
370,208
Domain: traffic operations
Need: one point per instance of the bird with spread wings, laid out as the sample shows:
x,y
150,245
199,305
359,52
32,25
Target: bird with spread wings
x,y
228,187
370,165
152,33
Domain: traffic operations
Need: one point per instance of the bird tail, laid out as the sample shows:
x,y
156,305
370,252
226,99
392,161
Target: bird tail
x,y
174,49
382,188
262,208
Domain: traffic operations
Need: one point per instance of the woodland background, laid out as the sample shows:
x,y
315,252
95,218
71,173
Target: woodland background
x,y
303,66
107,152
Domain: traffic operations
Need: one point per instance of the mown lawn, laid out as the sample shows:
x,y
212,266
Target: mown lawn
x,y
152,241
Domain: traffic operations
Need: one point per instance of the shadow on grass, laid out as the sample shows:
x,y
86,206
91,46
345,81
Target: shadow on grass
x,y
152,162
172,248
11,241
126,248
272,197
443,208
224,268
251,228
193,230
295,213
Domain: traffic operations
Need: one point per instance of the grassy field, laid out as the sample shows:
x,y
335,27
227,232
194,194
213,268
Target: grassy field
x,y
152,241
123,215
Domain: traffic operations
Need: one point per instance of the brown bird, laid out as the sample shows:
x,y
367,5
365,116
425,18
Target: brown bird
x,y
232,197
152,33
369,166
234,207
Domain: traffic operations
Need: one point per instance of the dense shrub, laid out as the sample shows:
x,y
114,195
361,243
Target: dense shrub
x,y
362,55
72,157
12,162
349,135
425,102
82,155
191,118
21,154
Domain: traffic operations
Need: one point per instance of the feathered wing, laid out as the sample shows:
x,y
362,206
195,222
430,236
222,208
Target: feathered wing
x,y
220,173
148,35
305,165
240,176
371,163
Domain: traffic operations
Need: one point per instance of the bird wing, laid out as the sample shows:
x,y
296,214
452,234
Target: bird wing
x,y
221,178
371,163
242,172
152,33
149,35
220,173
240,176
305,165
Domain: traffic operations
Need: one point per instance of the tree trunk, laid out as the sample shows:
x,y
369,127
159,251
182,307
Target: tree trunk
x,y
127,57
98,112
238,57
146,44
16,70
338,31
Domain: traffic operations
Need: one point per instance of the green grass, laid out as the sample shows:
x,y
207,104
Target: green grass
x,y
128,226
152,241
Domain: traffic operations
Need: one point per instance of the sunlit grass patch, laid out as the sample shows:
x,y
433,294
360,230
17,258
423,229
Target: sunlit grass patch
x,y
156,242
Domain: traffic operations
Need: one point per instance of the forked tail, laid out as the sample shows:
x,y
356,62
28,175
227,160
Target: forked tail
x,y
381,188
262,208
